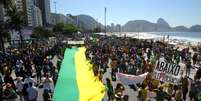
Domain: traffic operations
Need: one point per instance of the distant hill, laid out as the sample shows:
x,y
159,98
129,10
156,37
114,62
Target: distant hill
x,y
195,28
160,26
146,26
85,22
139,25
88,23
162,23
180,29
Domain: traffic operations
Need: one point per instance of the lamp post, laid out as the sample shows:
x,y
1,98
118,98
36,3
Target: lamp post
x,y
55,8
77,22
105,21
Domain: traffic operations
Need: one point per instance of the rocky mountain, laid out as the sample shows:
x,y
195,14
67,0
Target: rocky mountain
x,y
85,22
88,23
70,19
161,22
146,26
138,25
195,28
180,29
160,26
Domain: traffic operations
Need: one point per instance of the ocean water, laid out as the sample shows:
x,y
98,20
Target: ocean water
x,y
184,36
192,37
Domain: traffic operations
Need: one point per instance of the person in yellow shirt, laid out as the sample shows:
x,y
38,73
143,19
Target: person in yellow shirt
x,y
143,93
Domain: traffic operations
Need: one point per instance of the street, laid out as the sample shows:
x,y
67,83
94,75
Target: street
x,y
130,92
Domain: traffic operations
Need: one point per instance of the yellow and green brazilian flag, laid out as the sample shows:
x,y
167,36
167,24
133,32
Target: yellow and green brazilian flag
x,y
76,81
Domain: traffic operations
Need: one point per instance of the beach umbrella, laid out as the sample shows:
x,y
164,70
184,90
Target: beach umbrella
x,y
76,80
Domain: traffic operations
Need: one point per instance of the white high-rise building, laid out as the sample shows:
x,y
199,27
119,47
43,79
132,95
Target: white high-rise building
x,y
30,12
44,6
47,11
37,17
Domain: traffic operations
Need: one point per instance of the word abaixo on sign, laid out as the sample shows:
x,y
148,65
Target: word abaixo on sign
x,y
167,72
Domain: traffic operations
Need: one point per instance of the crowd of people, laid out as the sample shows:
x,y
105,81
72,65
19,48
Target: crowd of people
x,y
24,71
135,57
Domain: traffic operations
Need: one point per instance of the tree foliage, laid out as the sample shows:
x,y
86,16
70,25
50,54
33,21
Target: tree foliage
x,y
61,28
58,28
70,28
15,18
97,29
41,32
14,21
6,3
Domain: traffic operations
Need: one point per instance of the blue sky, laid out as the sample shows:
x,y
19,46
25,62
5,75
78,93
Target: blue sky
x,y
175,12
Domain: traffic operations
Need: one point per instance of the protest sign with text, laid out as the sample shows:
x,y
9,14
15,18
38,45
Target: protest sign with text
x,y
168,72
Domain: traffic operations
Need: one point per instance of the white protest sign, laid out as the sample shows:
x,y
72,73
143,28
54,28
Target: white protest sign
x,y
75,42
168,72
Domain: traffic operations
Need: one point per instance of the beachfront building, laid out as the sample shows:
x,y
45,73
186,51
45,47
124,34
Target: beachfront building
x,y
28,10
32,12
44,6
37,16
118,28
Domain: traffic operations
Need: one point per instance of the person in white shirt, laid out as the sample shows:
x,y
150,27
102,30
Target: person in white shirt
x,y
32,92
19,85
48,83
29,80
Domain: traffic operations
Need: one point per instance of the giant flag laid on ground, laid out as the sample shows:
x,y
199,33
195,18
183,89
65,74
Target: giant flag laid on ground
x,y
76,81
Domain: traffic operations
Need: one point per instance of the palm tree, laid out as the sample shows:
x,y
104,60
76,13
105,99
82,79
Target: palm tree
x,y
6,3
3,29
15,20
